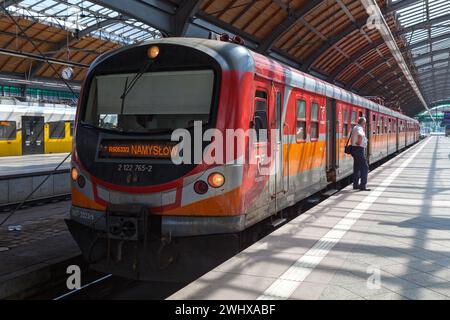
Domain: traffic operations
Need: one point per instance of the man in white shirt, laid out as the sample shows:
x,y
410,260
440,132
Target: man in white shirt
x,y
360,165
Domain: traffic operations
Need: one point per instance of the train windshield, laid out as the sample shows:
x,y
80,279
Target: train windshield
x,y
159,101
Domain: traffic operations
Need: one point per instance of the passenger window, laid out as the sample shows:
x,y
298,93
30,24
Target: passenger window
x,y
379,124
354,117
8,130
301,120
314,121
260,117
374,123
345,122
57,130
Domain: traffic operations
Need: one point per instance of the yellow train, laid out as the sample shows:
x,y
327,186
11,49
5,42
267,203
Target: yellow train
x,y
28,128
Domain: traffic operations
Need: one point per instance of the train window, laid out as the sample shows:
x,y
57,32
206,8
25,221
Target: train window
x,y
152,105
314,121
345,122
390,125
8,130
261,94
57,129
260,117
354,117
374,123
301,120
360,114
379,124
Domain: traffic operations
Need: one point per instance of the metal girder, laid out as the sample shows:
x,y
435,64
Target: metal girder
x,y
425,24
7,3
20,36
432,84
369,69
438,97
411,106
332,42
431,53
63,44
361,52
438,103
39,83
32,56
161,15
400,4
398,86
292,18
427,41
430,64
183,15
251,41
386,82
409,100
156,13
399,94
421,73
427,79
438,94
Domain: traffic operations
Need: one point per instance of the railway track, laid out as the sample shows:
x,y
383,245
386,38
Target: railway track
x,y
8,207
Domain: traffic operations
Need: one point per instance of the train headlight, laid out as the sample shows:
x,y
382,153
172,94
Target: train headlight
x,y
74,174
81,181
216,180
201,187
153,52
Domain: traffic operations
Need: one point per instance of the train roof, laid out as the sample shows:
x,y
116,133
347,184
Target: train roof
x,y
236,57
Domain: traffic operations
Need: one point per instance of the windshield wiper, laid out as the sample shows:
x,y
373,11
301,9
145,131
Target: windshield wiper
x,y
129,87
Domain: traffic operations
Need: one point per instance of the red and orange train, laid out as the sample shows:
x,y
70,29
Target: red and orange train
x,y
143,216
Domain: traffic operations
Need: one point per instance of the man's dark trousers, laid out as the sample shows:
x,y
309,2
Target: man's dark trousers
x,y
360,167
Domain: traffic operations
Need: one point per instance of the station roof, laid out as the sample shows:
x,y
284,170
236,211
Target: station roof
x,y
70,32
326,38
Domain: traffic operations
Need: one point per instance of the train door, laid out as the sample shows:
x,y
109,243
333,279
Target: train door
x,y
276,185
32,135
331,139
368,128
396,125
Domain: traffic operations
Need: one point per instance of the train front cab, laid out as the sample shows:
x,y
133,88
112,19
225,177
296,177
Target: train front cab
x,y
134,212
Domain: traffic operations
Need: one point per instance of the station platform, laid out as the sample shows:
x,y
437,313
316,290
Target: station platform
x,y
36,256
390,243
20,176
32,164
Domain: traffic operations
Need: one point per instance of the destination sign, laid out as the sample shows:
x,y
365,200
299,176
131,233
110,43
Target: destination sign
x,y
125,149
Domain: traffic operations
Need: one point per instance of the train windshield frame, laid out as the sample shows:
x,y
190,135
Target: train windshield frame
x,y
159,102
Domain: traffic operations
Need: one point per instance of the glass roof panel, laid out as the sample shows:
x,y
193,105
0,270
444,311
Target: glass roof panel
x,y
74,15
429,23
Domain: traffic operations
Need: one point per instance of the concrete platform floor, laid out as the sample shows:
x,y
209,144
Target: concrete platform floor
x,y
21,165
390,243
